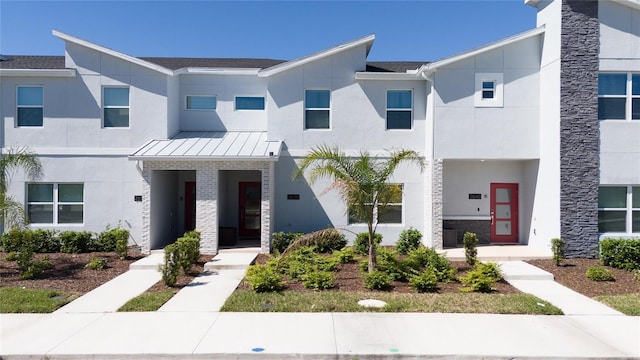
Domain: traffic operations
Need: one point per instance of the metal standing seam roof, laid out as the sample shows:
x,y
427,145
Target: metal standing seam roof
x,y
211,145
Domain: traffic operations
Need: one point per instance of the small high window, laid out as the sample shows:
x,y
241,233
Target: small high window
x,y
29,106
618,96
201,102
399,109
250,103
115,103
488,90
55,203
316,109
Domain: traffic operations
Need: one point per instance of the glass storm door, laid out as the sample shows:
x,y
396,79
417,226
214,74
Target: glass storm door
x,y
504,213
189,206
249,205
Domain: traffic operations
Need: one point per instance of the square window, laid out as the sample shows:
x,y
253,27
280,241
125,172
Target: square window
x,y
612,84
29,106
488,90
250,103
201,102
619,209
399,109
115,104
55,203
317,109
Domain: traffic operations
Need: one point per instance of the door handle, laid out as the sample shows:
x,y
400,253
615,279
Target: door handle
x,y
492,216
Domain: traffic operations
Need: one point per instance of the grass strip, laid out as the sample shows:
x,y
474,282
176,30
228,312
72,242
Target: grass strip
x,y
148,301
330,301
628,304
19,300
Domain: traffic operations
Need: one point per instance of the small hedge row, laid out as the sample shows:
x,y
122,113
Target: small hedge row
x,y
620,253
73,242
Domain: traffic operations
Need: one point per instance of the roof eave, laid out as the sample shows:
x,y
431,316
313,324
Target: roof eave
x,y
217,71
431,67
39,72
202,158
367,75
117,54
276,69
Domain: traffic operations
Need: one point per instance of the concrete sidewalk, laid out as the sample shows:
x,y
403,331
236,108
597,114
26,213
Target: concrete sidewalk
x,y
212,335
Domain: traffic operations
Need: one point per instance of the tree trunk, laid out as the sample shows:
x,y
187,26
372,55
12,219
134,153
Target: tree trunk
x,y
372,251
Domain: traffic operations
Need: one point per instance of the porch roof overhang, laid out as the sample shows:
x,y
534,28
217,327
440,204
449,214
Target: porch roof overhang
x,y
212,145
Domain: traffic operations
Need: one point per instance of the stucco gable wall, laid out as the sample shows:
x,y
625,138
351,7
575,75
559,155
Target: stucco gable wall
x,y
462,130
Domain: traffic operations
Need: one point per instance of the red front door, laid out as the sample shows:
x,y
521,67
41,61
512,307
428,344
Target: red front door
x,y
504,213
189,206
250,198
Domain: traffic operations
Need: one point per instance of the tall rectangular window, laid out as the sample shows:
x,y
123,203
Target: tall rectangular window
x,y
619,209
618,96
201,102
115,103
399,109
316,109
55,203
250,103
391,213
29,106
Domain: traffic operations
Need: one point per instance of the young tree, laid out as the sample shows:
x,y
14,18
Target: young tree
x,y
362,181
12,212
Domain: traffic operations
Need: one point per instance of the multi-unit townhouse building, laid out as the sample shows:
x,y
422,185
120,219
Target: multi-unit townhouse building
x,y
528,138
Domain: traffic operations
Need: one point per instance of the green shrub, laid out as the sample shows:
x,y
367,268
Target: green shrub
x,y
12,256
28,267
361,244
193,234
264,278
598,273
45,241
482,277
408,240
470,241
557,247
429,258
426,281
170,269
344,256
281,240
97,264
115,239
389,263
187,251
620,253
14,240
75,242
329,241
319,280
376,280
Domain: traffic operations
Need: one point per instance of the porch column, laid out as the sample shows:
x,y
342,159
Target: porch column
x,y
207,207
436,203
266,207
145,246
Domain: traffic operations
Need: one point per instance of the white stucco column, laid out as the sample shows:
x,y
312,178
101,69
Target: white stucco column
x,y
207,206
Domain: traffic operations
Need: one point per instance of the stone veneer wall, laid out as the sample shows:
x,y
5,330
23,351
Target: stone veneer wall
x,y
579,127
433,205
207,173
482,228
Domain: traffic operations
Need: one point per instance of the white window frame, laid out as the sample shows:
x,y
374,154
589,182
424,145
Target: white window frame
x,y
235,102
498,90
386,113
116,106
18,106
56,203
628,209
375,210
186,102
628,96
310,108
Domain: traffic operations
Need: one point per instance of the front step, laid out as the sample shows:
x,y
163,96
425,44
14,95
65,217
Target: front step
x,y
520,270
232,260
150,262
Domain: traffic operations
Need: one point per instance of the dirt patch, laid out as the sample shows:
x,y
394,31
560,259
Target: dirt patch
x,y
572,274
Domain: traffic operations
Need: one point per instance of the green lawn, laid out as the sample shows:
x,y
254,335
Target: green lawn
x,y
148,301
628,304
332,301
19,300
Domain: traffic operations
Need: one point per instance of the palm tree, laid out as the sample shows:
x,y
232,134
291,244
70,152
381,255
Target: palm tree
x,y
362,182
12,212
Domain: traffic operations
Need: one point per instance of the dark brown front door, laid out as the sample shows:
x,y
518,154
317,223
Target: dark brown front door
x,y
189,206
504,213
250,197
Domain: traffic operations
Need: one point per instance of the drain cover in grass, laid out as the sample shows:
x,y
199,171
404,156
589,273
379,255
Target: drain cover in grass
x,y
372,303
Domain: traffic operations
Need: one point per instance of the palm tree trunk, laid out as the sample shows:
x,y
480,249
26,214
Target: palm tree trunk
x,y
372,250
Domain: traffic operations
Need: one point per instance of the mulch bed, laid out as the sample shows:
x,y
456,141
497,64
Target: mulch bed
x,y
572,274
68,273
349,278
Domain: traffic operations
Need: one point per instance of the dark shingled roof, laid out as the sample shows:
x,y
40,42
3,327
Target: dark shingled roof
x,y
57,62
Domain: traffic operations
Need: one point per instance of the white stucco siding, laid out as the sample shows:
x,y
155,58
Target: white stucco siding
x,y
110,184
511,131
619,36
319,207
620,152
225,89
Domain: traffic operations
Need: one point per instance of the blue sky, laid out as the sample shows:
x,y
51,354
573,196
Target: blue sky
x,y
405,30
